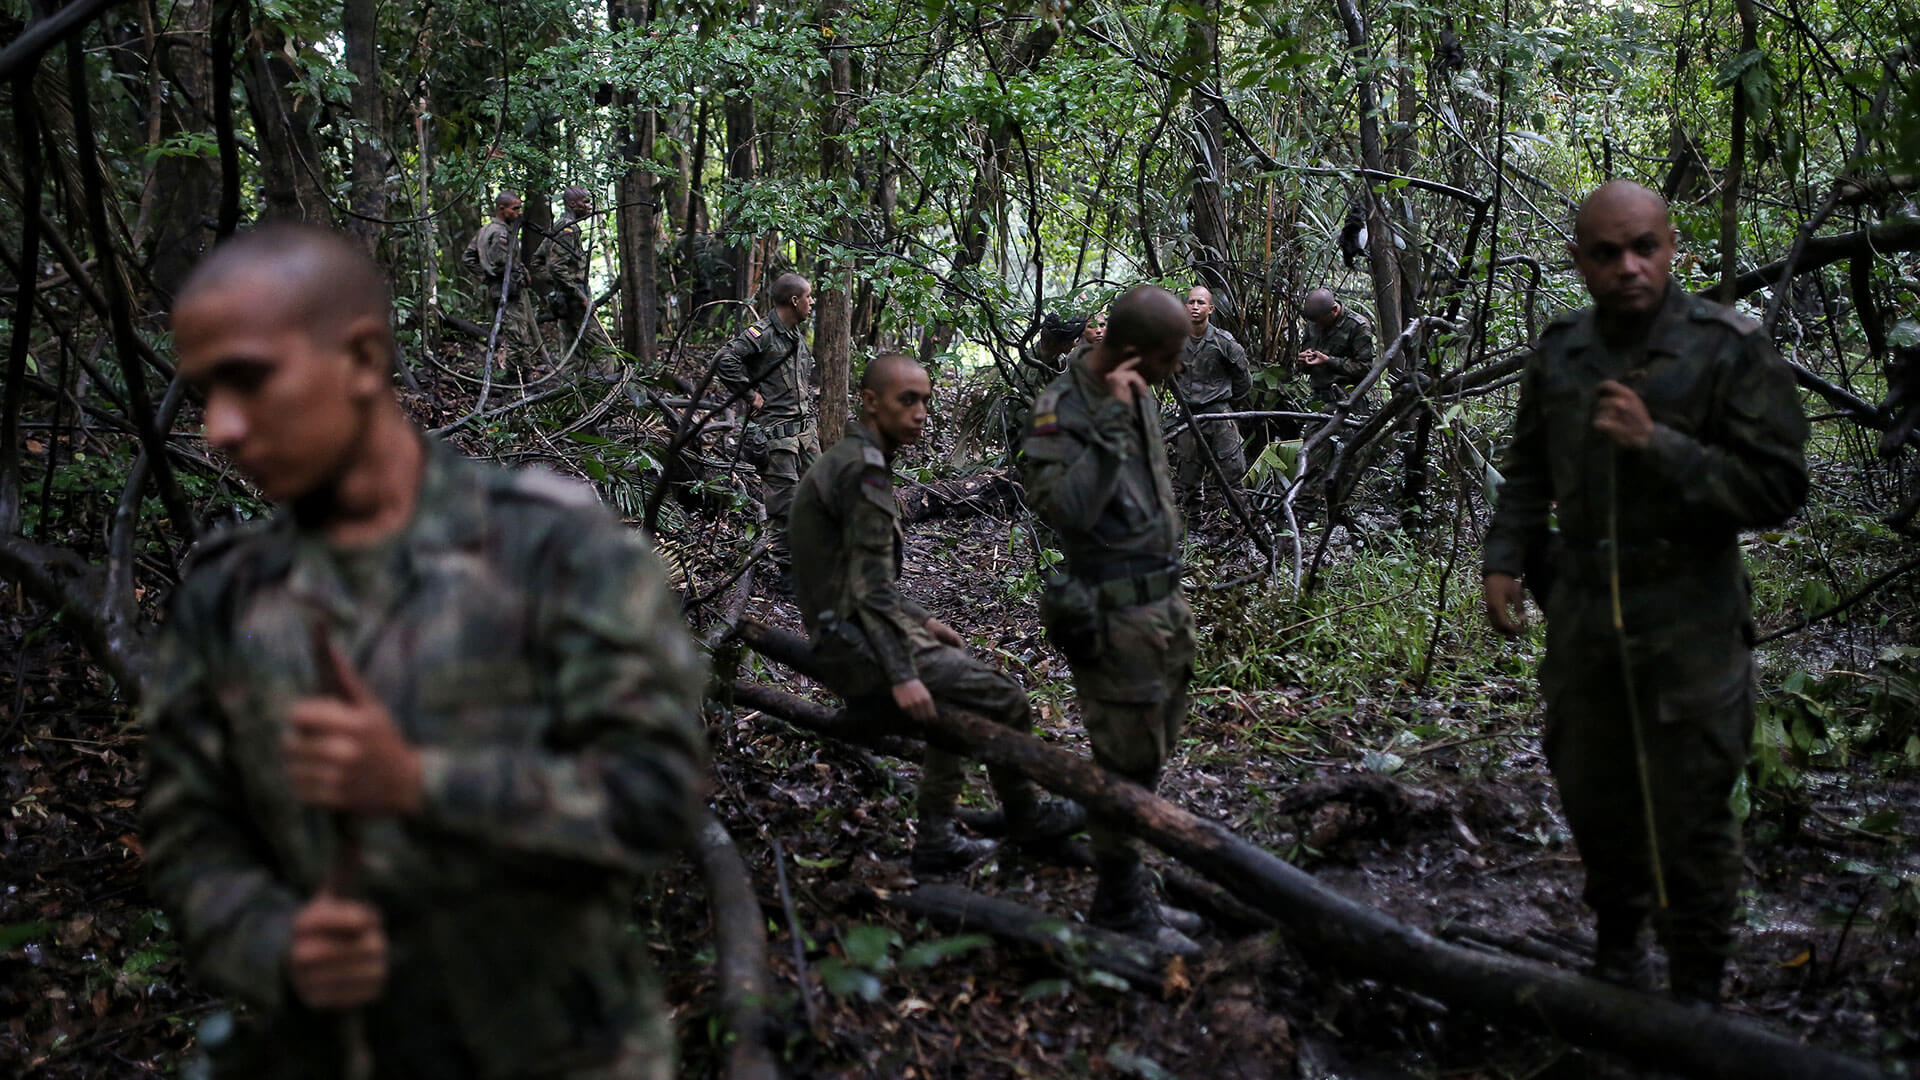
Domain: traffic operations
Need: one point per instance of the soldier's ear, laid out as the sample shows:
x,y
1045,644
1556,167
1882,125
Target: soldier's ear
x,y
370,348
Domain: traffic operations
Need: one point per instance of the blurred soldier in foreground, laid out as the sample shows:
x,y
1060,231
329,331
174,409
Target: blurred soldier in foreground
x,y
412,740
560,269
771,357
1337,349
881,650
1213,375
491,256
1653,427
1095,469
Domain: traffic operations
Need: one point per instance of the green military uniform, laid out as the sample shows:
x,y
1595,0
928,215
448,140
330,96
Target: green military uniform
x,y
1726,455
560,267
846,541
1349,345
488,256
775,361
1213,375
1096,471
528,645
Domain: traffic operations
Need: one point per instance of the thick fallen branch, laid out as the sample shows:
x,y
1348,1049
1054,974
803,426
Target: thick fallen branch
x,y
1888,237
740,937
1358,939
1071,945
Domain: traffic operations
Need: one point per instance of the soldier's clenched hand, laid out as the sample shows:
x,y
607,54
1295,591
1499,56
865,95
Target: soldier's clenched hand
x,y
1312,357
1126,383
945,634
1506,603
338,956
1620,415
345,753
914,700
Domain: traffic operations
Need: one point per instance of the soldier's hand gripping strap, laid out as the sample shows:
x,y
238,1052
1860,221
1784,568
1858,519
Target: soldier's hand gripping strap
x,y
1070,614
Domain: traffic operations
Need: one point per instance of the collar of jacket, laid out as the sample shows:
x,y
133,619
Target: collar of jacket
x,y
450,515
1666,332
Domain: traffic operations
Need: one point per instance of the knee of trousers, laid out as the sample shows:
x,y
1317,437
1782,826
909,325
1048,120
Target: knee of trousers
x,y
1128,738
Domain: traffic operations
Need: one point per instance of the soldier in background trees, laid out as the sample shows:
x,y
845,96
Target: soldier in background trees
x,y
1213,375
771,362
491,256
1338,346
560,268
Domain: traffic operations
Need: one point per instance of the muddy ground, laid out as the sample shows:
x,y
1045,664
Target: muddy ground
x,y
1470,844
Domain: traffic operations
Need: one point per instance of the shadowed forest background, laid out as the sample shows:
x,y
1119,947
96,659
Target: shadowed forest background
x,y
948,175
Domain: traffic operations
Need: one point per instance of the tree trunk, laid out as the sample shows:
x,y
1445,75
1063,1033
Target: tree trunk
x,y
360,29
186,187
743,152
1212,251
283,132
638,214
1380,258
832,341
1736,163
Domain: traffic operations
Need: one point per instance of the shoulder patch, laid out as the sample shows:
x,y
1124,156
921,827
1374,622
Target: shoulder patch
x,y
753,332
1226,334
872,456
1708,311
541,485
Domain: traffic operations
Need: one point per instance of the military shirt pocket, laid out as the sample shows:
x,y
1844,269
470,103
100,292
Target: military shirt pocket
x,y
1706,686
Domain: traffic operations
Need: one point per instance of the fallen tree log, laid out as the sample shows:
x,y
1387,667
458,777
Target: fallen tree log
x,y
1070,945
1349,935
740,947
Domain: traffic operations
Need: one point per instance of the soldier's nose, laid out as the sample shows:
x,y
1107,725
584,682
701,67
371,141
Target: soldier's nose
x,y
225,422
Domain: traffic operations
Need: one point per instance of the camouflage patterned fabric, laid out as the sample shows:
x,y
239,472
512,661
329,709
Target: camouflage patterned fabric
x,y
486,256
783,363
1349,341
1726,456
529,645
559,264
847,547
1096,471
1213,375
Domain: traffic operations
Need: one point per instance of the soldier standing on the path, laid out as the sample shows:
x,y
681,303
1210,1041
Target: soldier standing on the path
x,y
1213,375
411,742
560,269
772,358
490,255
1095,469
1653,428
1337,349
883,652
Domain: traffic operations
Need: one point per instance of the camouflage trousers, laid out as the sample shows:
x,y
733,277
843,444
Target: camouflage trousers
x,y
518,345
788,459
954,677
1221,438
595,337
1133,700
1694,692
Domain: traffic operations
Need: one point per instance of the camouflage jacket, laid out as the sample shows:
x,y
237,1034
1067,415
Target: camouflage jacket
x,y
1096,471
561,257
1349,341
1726,455
780,355
1215,369
844,532
486,254
528,644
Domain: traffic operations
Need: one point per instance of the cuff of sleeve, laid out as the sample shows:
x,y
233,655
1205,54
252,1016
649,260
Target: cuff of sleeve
x,y
1671,449
1503,558
439,788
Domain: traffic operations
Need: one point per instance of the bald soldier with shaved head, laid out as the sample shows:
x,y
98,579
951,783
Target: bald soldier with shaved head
x,y
411,741
1653,428
881,651
1095,469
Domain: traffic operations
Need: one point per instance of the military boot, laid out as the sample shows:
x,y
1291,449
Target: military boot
x,y
1695,975
1619,956
1123,902
1033,822
940,849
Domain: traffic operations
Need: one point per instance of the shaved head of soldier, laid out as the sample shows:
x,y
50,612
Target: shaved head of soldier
x,y
1199,309
1319,307
1149,323
1623,245
895,393
286,333
578,199
792,297
506,207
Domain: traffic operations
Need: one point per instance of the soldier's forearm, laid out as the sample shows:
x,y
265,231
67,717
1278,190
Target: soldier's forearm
x,y
1075,494
1761,485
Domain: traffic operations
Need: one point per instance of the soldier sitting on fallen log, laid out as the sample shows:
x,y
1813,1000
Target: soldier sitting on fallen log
x,y
881,651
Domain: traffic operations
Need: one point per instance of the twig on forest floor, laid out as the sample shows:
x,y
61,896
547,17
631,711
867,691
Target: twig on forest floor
x,y
799,942
1864,591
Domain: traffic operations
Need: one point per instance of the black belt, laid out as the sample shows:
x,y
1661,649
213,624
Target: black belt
x,y
1131,582
787,427
1594,562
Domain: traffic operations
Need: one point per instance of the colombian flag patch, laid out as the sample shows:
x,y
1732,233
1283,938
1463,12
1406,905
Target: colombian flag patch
x,y
1046,423
753,332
